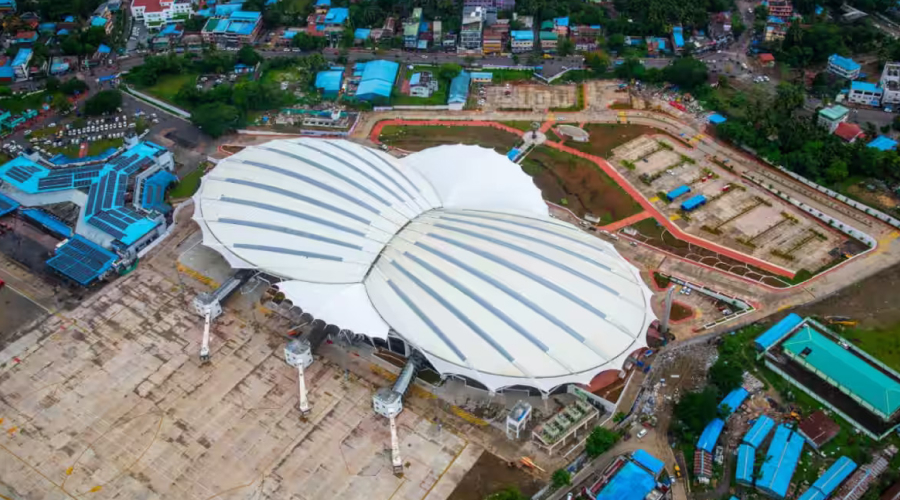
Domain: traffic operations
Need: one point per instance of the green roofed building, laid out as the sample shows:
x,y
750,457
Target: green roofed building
x,y
832,116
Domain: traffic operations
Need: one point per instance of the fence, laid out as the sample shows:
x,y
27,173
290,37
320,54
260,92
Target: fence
x,y
159,104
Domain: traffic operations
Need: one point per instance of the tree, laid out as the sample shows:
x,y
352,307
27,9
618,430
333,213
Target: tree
x,y
725,375
686,72
61,104
565,47
347,37
695,410
837,171
560,478
469,60
615,41
597,61
600,441
304,41
105,101
216,119
73,86
508,493
248,56
449,71
52,84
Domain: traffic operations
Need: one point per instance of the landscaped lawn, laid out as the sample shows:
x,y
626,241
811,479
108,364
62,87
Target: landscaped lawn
x,y
419,137
524,125
884,344
18,104
102,145
169,85
436,99
579,184
188,185
606,137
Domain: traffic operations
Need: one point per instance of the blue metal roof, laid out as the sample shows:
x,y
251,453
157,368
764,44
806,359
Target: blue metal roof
x,y
362,33
171,29
710,435
678,37
62,32
377,79
745,458
630,483
323,3
153,195
290,34
337,15
82,260
482,75
7,204
49,222
513,153
834,476
415,79
845,63
716,119
779,330
561,21
459,88
781,460
329,81
21,57
755,436
98,22
69,19
648,461
865,87
883,143
47,27
522,35
734,399
104,49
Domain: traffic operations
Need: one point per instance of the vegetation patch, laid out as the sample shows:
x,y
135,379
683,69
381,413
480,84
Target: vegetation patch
x,y
188,185
419,137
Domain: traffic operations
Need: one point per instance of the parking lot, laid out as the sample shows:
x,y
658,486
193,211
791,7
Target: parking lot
x,y
529,97
736,213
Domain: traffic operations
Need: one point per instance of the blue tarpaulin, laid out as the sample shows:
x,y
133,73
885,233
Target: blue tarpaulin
x,y
717,119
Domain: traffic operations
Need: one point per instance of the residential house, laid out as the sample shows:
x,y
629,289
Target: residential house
x,y
459,91
327,22
849,132
20,63
657,45
585,37
437,33
25,38
155,13
47,28
678,39
832,116
561,26
781,8
360,35
472,27
7,74
492,42
423,84
389,27
193,43
449,41
237,29
102,22
549,40
522,41
890,83
495,4
411,29
766,60
776,28
865,93
843,67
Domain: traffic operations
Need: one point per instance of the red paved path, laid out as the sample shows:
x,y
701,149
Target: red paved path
x,y
82,150
615,175
627,221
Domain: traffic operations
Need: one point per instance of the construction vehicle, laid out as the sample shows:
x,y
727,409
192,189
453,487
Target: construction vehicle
x,y
209,305
677,471
528,462
841,320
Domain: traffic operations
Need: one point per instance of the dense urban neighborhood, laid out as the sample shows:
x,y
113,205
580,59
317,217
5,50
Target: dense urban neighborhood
x,y
450,250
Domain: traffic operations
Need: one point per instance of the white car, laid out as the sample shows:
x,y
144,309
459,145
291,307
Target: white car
x,y
641,433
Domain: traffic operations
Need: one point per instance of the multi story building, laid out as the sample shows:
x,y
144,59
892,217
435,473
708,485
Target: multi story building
x,y
493,42
781,8
472,26
866,93
20,63
522,41
237,29
549,40
833,116
10,5
843,67
422,84
495,4
890,83
678,39
155,13
585,37
411,29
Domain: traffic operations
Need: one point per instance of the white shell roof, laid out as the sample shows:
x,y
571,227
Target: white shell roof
x,y
452,248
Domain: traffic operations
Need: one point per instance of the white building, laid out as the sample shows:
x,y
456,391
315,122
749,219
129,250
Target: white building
x,y
865,93
156,13
423,84
426,252
843,67
832,116
890,83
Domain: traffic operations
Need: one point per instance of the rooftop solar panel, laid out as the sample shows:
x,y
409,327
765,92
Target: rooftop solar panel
x,y
106,228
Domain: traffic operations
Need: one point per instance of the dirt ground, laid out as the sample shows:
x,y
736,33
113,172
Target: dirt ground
x,y
489,475
581,183
880,199
417,138
606,137
17,312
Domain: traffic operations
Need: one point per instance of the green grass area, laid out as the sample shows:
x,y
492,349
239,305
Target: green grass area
x,y
607,136
884,344
18,104
188,185
419,137
436,99
167,86
94,148
509,75
524,126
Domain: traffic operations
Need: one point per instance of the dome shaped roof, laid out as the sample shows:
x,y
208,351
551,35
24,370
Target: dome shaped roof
x,y
452,248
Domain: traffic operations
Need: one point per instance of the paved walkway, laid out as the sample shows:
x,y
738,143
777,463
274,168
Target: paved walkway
x,y
627,221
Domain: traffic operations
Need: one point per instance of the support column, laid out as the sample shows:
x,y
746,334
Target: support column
x,y
396,460
303,405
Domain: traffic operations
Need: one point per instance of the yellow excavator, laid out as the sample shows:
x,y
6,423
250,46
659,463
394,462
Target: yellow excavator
x,y
841,320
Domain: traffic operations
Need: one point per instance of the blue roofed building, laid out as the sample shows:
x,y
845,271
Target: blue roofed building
x,y
329,82
20,63
717,119
236,30
652,464
101,22
47,28
843,67
48,222
82,261
710,435
781,461
630,482
459,91
883,143
758,432
522,40
825,485
7,5
337,15
733,400
678,39
778,331
7,205
361,35
323,3
746,455
868,94
377,80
